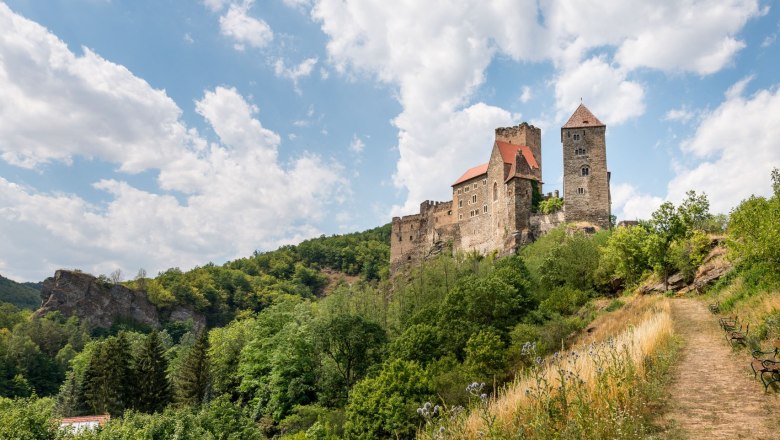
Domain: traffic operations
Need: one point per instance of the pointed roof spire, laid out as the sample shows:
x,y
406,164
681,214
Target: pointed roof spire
x,y
582,117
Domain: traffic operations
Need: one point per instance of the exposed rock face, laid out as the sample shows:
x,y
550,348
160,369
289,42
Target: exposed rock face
x,y
100,304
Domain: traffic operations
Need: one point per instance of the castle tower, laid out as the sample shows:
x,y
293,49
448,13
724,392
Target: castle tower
x,y
585,175
524,134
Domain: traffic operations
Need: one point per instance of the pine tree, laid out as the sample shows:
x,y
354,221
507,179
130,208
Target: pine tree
x,y
94,388
153,391
119,373
193,379
69,399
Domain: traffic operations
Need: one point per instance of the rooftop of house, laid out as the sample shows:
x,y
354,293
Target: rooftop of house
x,y
582,117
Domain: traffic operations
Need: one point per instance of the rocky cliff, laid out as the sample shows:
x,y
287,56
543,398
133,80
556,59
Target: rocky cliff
x,y
100,304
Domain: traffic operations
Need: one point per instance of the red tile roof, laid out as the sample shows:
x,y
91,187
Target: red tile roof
x,y
472,173
508,152
102,419
582,117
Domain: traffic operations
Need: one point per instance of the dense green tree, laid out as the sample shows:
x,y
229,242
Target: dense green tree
x,y
28,419
152,388
352,343
384,406
574,262
419,342
624,257
666,226
754,227
193,377
485,355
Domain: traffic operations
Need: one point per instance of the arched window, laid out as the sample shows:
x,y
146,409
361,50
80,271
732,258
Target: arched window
x,y
585,171
495,191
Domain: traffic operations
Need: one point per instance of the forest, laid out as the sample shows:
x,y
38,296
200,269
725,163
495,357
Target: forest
x,y
293,351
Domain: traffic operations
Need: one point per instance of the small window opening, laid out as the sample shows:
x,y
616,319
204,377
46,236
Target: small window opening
x,y
585,171
580,190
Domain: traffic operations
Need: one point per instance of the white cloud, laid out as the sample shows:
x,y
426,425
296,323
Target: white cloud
x,y
295,73
628,203
526,95
216,5
734,149
604,89
297,4
188,38
681,114
438,60
234,195
89,106
243,29
357,145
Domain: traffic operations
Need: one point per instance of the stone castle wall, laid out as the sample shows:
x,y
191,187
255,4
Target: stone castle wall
x,y
587,197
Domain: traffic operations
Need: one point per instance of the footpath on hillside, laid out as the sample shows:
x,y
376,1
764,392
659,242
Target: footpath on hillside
x,y
713,394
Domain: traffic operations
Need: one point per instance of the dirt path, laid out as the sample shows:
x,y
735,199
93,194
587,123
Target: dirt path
x,y
713,394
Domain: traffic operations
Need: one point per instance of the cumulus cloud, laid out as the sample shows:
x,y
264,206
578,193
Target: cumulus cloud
x,y
526,94
734,149
438,61
294,73
628,203
215,200
44,84
244,29
604,89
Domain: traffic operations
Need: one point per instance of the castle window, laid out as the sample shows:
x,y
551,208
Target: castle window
x,y
580,190
411,238
495,191
484,209
585,171
466,189
460,216
474,198
449,212
576,137
460,203
475,185
400,238
579,152
460,190
484,182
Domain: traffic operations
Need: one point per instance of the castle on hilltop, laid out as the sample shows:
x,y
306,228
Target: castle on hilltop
x,y
492,206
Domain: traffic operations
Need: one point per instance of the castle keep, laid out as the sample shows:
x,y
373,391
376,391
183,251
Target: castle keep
x,y
492,204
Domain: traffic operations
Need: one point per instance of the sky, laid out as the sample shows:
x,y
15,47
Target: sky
x,y
167,133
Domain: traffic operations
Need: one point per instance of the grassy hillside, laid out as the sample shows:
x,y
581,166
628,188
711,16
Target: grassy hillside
x,y
18,294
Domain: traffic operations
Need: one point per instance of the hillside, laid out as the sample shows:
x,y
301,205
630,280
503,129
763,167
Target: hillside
x,y
577,336
22,295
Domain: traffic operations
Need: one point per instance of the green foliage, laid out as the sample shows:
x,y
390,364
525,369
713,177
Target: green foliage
x,y
485,355
754,227
107,382
352,343
10,315
615,304
193,377
624,256
419,342
18,294
152,388
563,301
573,262
551,205
687,254
536,196
27,419
384,406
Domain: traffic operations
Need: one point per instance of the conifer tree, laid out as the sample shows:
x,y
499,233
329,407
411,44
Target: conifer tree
x,y
69,399
153,391
193,379
120,374
95,388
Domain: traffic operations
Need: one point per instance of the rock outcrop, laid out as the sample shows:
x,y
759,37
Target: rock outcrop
x,y
101,304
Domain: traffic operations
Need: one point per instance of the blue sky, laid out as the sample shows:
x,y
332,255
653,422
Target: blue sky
x,y
154,134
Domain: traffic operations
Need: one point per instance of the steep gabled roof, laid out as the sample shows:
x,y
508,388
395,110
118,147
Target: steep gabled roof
x,y
509,151
472,173
582,117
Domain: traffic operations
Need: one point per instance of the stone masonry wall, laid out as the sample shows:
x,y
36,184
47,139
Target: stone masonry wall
x,y
586,198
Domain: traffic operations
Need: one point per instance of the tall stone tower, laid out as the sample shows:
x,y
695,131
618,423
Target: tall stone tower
x,y
585,175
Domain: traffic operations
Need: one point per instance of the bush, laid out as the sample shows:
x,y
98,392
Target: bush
x,y
687,254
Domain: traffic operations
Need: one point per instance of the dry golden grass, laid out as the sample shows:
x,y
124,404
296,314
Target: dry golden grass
x,y
640,326
634,311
